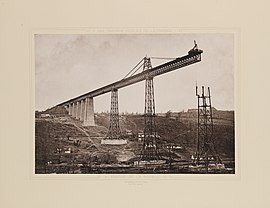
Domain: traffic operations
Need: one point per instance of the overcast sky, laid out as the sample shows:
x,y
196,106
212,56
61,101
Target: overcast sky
x,y
67,66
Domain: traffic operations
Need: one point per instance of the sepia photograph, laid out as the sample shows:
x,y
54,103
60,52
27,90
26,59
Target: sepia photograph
x,y
134,103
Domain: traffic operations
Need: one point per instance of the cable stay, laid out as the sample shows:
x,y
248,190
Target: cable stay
x,y
131,71
140,64
162,58
137,69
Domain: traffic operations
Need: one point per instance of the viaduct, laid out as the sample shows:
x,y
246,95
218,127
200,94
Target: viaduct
x,y
82,107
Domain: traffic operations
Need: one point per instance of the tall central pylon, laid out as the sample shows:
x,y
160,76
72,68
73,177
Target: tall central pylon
x,y
150,147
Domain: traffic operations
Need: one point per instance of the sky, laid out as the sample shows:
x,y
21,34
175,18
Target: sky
x,y
67,66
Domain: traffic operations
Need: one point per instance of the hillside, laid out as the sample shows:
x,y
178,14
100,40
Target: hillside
x,y
59,131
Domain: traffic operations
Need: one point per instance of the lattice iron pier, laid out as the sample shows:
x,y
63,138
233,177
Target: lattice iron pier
x,y
206,152
114,129
114,136
150,149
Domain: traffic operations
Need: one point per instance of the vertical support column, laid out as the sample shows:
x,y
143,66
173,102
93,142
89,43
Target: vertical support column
x,y
81,110
77,110
85,110
73,110
206,151
150,149
114,129
89,112
69,109
114,136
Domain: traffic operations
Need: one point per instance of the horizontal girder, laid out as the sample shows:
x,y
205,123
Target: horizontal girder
x,y
193,57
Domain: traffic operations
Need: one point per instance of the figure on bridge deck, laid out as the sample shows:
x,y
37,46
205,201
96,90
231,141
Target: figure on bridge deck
x,y
195,46
195,49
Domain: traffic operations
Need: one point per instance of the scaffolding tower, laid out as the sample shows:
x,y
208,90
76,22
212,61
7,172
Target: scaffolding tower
x,y
206,152
150,149
114,129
